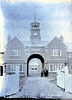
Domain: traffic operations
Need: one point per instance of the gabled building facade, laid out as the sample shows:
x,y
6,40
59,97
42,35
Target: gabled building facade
x,y
34,55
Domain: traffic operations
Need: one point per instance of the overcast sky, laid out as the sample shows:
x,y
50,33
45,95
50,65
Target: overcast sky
x,y
55,19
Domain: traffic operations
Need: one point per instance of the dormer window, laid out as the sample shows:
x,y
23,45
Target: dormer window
x,y
14,53
56,52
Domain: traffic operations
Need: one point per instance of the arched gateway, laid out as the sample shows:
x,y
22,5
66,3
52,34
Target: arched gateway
x,y
32,57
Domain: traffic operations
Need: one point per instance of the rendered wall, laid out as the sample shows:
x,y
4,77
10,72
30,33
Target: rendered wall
x,y
9,84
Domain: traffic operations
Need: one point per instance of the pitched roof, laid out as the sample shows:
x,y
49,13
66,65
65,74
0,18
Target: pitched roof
x,y
56,43
15,43
35,22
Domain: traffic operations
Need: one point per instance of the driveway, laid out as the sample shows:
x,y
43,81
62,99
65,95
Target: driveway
x,y
41,87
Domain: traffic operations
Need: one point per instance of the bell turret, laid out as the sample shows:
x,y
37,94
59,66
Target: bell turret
x,y
35,32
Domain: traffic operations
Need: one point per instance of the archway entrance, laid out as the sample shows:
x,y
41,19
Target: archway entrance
x,y
34,65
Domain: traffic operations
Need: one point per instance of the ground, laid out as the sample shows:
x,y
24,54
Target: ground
x,y
41,87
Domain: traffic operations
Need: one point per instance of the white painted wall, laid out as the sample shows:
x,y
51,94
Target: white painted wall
x,y
68,83
9,84
60,79
64,80
2,86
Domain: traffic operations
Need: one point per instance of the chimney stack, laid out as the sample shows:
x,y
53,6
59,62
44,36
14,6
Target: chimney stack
x,y
9,38
61,38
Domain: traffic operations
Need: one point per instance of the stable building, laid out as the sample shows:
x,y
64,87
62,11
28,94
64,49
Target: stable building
x,y
34,55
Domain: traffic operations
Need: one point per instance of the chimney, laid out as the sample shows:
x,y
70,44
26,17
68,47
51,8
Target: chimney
x,y
9,38
61,38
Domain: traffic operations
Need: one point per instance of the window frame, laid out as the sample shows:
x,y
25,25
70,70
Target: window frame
x,y
60,66
13,66
54,52
14,50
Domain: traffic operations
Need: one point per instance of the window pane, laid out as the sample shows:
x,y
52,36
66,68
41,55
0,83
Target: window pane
x,y
14,67
20,67
54,67
50,67
8,68
58,52
14,52
54,52
59,67
11,67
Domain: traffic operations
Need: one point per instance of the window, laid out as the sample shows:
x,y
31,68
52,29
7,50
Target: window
x,y
14,53
11,68
57,67
8,68
20,67
56,52
53,67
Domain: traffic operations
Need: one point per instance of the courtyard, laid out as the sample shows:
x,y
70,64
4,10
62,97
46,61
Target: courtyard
x,y
41,87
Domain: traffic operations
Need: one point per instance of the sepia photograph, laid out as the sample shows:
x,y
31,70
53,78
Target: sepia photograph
x,y
36,49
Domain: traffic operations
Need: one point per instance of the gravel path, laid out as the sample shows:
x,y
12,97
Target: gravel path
x,y
41,87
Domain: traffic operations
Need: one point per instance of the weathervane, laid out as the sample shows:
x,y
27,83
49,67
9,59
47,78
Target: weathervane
x,y
35,14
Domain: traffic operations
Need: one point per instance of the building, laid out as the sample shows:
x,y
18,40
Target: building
x,y
34,55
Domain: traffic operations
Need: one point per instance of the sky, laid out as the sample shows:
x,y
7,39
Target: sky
x,y
55,19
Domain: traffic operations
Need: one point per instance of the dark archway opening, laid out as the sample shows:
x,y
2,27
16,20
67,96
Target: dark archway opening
x,y
34,56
